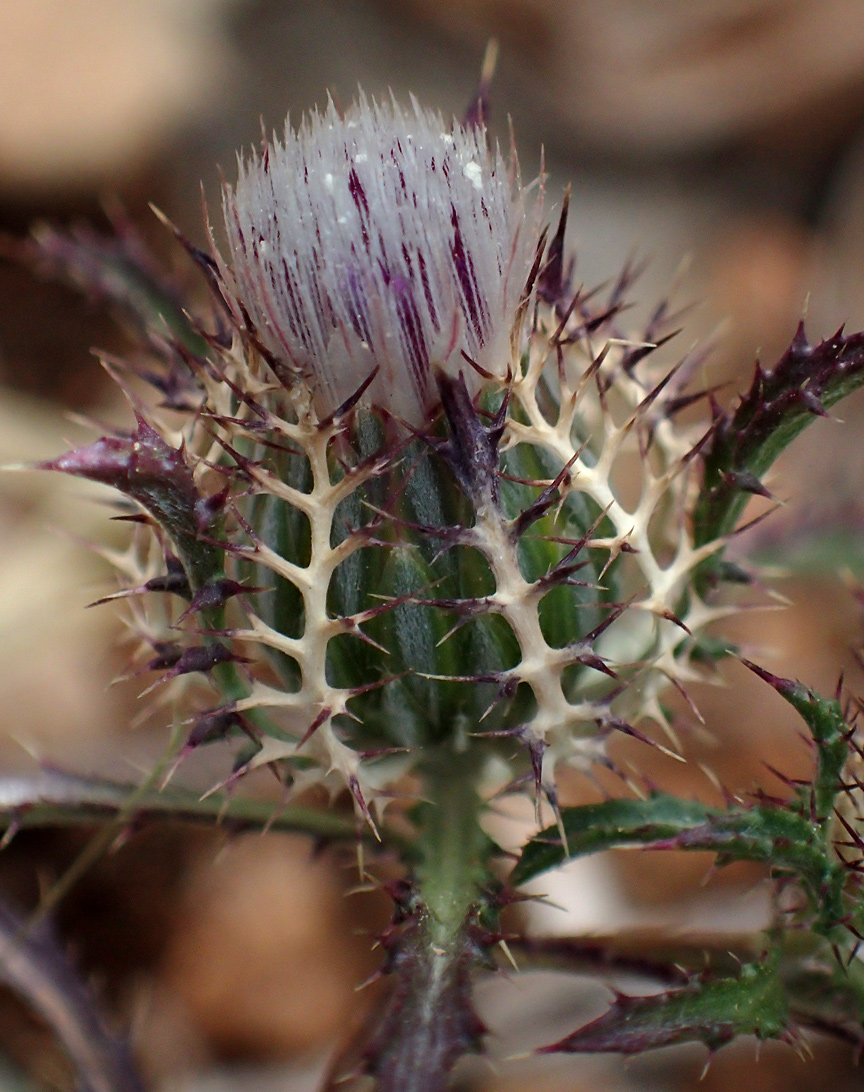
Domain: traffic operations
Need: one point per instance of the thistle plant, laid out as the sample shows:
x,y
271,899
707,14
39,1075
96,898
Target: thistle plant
x,y
416,518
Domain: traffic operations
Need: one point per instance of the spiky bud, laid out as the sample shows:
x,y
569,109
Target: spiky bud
x,y
484,575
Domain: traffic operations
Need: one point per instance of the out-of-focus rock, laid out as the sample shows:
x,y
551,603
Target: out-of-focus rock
x,y
89,88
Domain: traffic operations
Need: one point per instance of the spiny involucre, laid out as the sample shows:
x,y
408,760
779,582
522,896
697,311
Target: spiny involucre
x,y
451,497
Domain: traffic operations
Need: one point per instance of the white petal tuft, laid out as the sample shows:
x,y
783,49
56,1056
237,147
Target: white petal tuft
x,y
384,239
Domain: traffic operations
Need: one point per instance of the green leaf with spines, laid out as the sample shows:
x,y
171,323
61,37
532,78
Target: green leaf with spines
x,y
708,1010
783,838
592,828
831,734
807,380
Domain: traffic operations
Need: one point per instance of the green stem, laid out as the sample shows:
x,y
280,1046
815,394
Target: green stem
x,y
429,1021
102,840
454,849
51,798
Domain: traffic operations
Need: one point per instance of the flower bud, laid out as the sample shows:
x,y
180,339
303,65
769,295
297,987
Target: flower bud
x,y
380,242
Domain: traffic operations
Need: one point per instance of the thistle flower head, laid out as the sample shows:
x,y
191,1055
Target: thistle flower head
x,y
382,239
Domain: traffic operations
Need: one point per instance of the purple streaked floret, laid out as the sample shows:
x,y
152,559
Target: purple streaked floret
x,y
383,239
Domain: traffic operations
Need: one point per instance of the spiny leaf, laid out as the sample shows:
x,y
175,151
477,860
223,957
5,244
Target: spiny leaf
x,y
830,732
116,268
147,469
709,1011
779,404
758,833
591,828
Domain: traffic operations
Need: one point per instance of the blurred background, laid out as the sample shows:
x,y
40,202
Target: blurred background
x,y
724,141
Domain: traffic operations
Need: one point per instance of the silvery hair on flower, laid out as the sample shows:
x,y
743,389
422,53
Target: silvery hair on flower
x,y
379,239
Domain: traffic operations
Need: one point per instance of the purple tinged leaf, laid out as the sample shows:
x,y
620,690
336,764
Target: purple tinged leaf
x,y
553,283
118,269
215,726
787,687
215,594
747,483
203,658
144,467
135,465
472,450
173,581
746,439
709,1011
167,655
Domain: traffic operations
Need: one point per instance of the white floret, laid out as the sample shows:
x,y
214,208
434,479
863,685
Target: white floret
x,y
378,240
